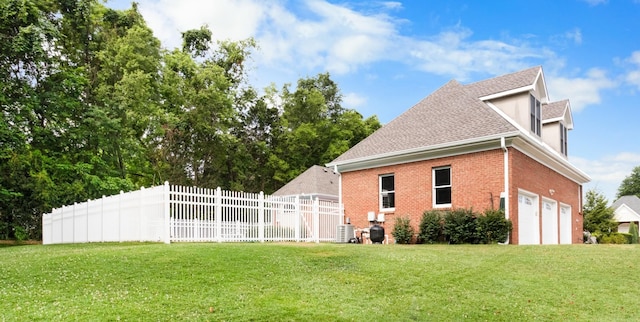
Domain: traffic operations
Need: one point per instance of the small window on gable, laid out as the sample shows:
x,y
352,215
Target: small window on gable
x,y
563,139
387,192
535,116
442,187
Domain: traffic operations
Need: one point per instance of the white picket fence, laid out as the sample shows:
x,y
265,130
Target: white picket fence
x,y
171,213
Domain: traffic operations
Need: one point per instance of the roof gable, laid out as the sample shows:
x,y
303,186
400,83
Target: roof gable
x,y
508,84
316,180
633,202
448,115
558,111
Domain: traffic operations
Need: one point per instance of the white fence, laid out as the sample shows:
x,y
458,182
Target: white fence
x,y
188,214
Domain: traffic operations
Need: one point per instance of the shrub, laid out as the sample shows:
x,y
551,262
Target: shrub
x,y
430,229
20,233
460,227
633,231
402,230
493,227
613,238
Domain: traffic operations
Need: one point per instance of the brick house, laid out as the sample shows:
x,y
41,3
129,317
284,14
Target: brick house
x,y
468,146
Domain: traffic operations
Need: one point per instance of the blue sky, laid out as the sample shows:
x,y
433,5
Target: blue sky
x,y
387,55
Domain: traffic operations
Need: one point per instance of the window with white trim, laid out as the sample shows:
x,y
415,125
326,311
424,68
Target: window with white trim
x,y
563,139
535,116
442,187
387,192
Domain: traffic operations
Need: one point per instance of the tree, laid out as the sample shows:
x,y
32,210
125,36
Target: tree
x,y
315,127
633,231
598,217
631,184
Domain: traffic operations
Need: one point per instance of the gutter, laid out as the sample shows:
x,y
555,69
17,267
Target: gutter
x,y
417,154
503,145
335,170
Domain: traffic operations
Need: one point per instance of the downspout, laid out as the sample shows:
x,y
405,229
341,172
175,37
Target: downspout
x,y
335,170
503,145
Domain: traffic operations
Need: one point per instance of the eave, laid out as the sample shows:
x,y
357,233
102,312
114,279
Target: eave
x,y
422,153
550,158
523,143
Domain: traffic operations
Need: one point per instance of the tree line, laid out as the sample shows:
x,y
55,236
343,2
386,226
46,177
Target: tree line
x,y
92,104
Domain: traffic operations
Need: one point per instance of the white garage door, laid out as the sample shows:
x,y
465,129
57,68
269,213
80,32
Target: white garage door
x,y
528,222
565,224
549,221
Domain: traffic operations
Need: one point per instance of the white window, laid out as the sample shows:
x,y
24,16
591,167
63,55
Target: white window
x,y
563,139
387,192
535,115
442,187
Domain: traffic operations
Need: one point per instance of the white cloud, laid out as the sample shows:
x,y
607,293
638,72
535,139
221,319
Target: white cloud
x,y
227,19
353,100
451,53
392,5
594,3
607,172
633,76
321,36
574,35
581,91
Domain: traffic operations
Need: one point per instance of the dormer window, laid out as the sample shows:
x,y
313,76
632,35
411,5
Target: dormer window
x,y
563,139
535,116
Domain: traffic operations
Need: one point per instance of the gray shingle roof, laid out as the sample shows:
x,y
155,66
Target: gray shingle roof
x,y
632,202
449,114
504,83
554,109
315,180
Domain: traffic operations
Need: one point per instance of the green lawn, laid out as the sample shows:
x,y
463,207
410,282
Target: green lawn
x,y
318,282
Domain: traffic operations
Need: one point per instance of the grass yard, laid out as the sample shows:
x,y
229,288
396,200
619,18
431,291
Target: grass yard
x,y
318,282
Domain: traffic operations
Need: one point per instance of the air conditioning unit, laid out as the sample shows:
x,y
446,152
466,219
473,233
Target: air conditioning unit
x,y
344,233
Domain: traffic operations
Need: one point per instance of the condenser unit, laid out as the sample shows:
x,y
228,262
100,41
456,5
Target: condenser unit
x,y
344,233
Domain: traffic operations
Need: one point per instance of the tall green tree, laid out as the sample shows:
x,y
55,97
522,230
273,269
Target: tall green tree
x,y
316,128
598,216
631,184
205,98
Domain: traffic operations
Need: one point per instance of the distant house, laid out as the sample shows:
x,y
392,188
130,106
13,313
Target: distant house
x,y
316,182
497,141
625,211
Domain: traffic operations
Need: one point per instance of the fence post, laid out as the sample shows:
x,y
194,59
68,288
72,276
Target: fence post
x,y
62,226
87,228
298,213
102,219
73,223
218,214
140,213
316,220
166,195
261,216
120,215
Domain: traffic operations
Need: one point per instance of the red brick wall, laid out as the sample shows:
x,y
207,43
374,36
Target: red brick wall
x,y
477,180
523,170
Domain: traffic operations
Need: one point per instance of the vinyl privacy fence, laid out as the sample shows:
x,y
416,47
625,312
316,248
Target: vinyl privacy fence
x,y
170,213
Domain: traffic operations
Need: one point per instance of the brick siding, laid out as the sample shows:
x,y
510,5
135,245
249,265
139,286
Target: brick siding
x,y
477,180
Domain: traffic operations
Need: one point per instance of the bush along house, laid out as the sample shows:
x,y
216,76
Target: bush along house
x,y
497,142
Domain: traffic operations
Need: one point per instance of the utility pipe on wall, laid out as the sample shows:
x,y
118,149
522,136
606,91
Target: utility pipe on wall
x,y
503,145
